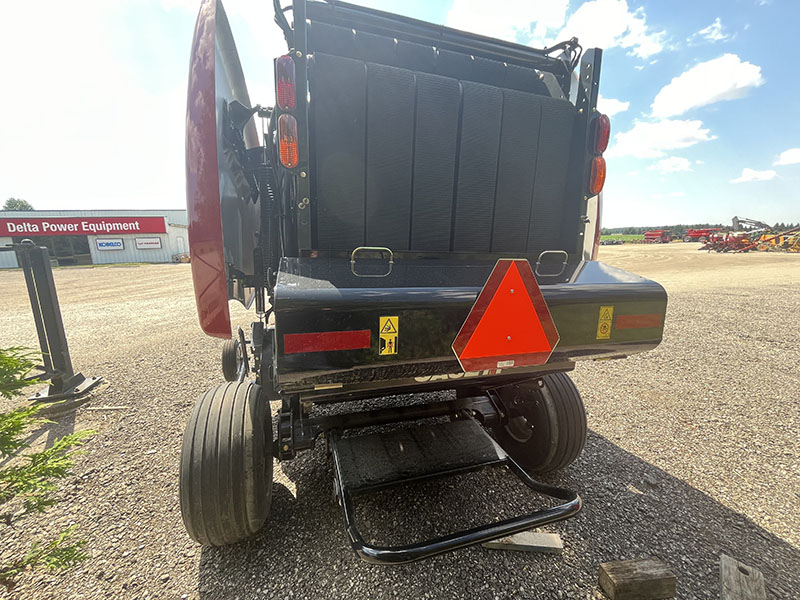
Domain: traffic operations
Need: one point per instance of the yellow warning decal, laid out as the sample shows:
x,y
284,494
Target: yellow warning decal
x,y
389,329
604,322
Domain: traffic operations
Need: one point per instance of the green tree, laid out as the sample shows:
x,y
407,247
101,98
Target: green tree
x,y
29,480
17,204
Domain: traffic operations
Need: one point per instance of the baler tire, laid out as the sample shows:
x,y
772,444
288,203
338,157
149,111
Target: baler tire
x,y
556,422
226,465
686,238
230,360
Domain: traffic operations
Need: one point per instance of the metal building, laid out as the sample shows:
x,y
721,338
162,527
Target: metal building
x,y
83,237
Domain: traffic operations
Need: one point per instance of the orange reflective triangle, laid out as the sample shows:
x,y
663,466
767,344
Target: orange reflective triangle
x,y
510,325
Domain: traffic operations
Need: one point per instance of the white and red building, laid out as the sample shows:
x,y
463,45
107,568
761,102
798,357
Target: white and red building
x,y
76,237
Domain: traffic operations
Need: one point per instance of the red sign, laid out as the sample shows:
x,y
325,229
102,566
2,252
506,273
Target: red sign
x,y
80,225
509,325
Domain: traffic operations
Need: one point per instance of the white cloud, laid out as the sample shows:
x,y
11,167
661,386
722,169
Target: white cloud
x,y
611,106
789,157
753,175
712,33
648,139
723,78
672,164
610,23
523,21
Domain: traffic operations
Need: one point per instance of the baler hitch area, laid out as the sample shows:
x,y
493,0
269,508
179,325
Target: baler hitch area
x,y
377,461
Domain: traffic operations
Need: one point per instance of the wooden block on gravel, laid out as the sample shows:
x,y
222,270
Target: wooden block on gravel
x,y
740,581
640,579
529,541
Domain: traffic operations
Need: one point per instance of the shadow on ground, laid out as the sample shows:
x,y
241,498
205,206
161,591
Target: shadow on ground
x,y
631,509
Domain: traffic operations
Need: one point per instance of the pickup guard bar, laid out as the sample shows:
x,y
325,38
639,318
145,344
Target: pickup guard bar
x,y
391,25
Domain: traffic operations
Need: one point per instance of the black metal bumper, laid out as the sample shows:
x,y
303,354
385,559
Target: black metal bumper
x,y
432,298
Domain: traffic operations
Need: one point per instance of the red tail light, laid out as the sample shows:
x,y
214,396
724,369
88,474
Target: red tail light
x,y
601,127
597,175
287,140
284,76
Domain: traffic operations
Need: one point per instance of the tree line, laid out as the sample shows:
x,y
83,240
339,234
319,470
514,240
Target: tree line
x,y
680,229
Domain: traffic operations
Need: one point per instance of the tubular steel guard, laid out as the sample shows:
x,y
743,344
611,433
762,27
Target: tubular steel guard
x,y
395,555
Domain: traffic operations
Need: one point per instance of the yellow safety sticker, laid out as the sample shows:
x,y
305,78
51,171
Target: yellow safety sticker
x,y
604,322
389,329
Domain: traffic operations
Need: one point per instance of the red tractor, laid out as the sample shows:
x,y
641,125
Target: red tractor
x,y
658,236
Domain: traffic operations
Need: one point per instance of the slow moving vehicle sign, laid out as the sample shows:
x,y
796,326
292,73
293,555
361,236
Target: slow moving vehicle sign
x,y
509,324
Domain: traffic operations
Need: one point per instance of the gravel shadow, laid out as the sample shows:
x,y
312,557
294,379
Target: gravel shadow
x,y
631,509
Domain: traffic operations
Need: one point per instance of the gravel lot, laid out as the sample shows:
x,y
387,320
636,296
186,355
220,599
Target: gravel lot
x,y
693,450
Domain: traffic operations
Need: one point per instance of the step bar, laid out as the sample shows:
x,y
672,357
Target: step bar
x,y
355,475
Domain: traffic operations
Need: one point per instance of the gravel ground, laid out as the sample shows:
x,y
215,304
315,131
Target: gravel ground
x,y
693,450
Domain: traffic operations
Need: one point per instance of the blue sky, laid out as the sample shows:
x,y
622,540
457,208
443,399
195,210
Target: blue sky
x,y
704,122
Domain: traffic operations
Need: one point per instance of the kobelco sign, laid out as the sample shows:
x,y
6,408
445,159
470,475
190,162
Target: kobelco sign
x,y
81,225
110,244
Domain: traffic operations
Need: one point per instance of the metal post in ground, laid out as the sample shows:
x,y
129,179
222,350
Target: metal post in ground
x,y
65,385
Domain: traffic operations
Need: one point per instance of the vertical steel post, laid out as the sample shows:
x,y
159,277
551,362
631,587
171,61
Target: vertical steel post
x,y
64,382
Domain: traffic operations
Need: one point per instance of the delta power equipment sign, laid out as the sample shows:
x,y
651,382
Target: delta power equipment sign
x,y
17,227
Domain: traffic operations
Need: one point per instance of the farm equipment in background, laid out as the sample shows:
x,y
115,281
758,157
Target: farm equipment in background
x,y
793,243
701,235
739,224
761,237
785,241
658,236
727,242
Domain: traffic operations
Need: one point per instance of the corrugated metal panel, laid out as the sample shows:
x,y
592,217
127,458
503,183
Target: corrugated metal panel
x,y
8,260
170,246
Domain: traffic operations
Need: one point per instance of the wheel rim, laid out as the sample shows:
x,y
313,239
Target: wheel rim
x,y
239,356
519,429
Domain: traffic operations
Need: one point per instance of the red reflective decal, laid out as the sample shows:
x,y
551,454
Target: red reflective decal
x,y
509,325
638,321
202,181
326,341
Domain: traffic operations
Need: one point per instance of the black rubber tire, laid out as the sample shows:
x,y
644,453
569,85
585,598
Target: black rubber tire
x,y
552,432
230,360
226,465
686,238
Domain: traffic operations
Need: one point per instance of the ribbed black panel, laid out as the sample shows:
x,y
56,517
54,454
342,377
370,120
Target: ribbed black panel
x,y
490,72
376,48
438,100
555,136
416,57
454,64
448,154
332,40
477,168
339,87
524,80
390,139
519,144
341,41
